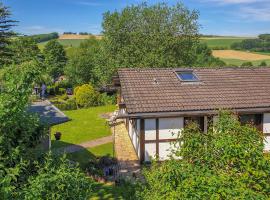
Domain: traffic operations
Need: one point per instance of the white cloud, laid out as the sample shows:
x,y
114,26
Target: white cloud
x,y
256,14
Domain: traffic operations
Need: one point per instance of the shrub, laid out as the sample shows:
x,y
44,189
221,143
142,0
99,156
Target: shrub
x,y
107,100
263,64
226,163
247,64
62,91
64,97
58,179
51,90
86,96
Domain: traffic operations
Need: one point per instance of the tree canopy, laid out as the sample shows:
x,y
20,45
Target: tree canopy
x,y
6,33
55,58
151,36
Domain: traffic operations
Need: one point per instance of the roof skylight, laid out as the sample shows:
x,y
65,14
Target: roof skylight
x,y
187,76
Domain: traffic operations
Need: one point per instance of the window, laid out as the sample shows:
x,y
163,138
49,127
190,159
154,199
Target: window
x,y
198,120
187,76
252,119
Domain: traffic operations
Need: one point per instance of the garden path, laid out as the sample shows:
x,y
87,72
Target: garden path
x,y
88,144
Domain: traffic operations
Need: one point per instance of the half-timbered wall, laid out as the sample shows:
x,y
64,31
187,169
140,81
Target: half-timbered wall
x,y
266,131
159,135
134,134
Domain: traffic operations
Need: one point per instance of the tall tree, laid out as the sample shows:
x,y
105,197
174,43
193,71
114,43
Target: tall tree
x,y
24,49
55,58
152,36
83,62
6,33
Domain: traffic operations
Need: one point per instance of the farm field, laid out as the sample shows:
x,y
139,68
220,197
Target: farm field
x,y
65,42
241,55
232,57
221,42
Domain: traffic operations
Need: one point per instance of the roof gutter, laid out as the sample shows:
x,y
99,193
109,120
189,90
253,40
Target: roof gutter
x,y
191,113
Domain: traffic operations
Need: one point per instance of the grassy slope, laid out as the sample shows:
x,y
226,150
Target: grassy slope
x,y
86,124
65,43
221,41
85,155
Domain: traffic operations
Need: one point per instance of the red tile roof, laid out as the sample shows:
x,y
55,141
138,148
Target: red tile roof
x,y
160,90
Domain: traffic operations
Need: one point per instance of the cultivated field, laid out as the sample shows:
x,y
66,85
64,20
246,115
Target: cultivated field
x,y
221,42
241,55
78,37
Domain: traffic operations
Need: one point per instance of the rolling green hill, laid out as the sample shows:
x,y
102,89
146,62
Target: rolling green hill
x,y
221,42
66,43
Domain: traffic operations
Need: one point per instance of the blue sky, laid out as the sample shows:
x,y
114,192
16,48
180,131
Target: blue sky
x,y
220,17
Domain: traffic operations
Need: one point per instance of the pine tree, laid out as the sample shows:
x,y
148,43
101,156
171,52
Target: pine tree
x,y
6,33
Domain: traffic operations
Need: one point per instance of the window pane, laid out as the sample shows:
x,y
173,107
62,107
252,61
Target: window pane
x,y
187,76
252,119
198,120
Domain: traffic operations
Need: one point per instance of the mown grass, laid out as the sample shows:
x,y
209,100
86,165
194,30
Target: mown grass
x,y
84,156
85,125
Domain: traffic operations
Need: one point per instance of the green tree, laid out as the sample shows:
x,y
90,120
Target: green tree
x,y
6,34
226,163
151,36
24,49
55,58
19,131
58,179
83,62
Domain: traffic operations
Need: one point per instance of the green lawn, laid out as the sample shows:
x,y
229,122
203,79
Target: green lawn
x,y
239,62
85,155
85,125
224,42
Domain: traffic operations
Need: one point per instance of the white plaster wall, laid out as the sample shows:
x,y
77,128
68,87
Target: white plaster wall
x,y
266,129
166,148
150,129
150,151
130,128
169,128
138,138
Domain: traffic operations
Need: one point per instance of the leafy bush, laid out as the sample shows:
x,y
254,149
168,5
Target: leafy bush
x,y
64,84
247,64
107,100
62,91
64,97
58,179
86,96
70,104
226,163
263,64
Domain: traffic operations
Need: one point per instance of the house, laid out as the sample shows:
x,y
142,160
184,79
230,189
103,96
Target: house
x,y
157,103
